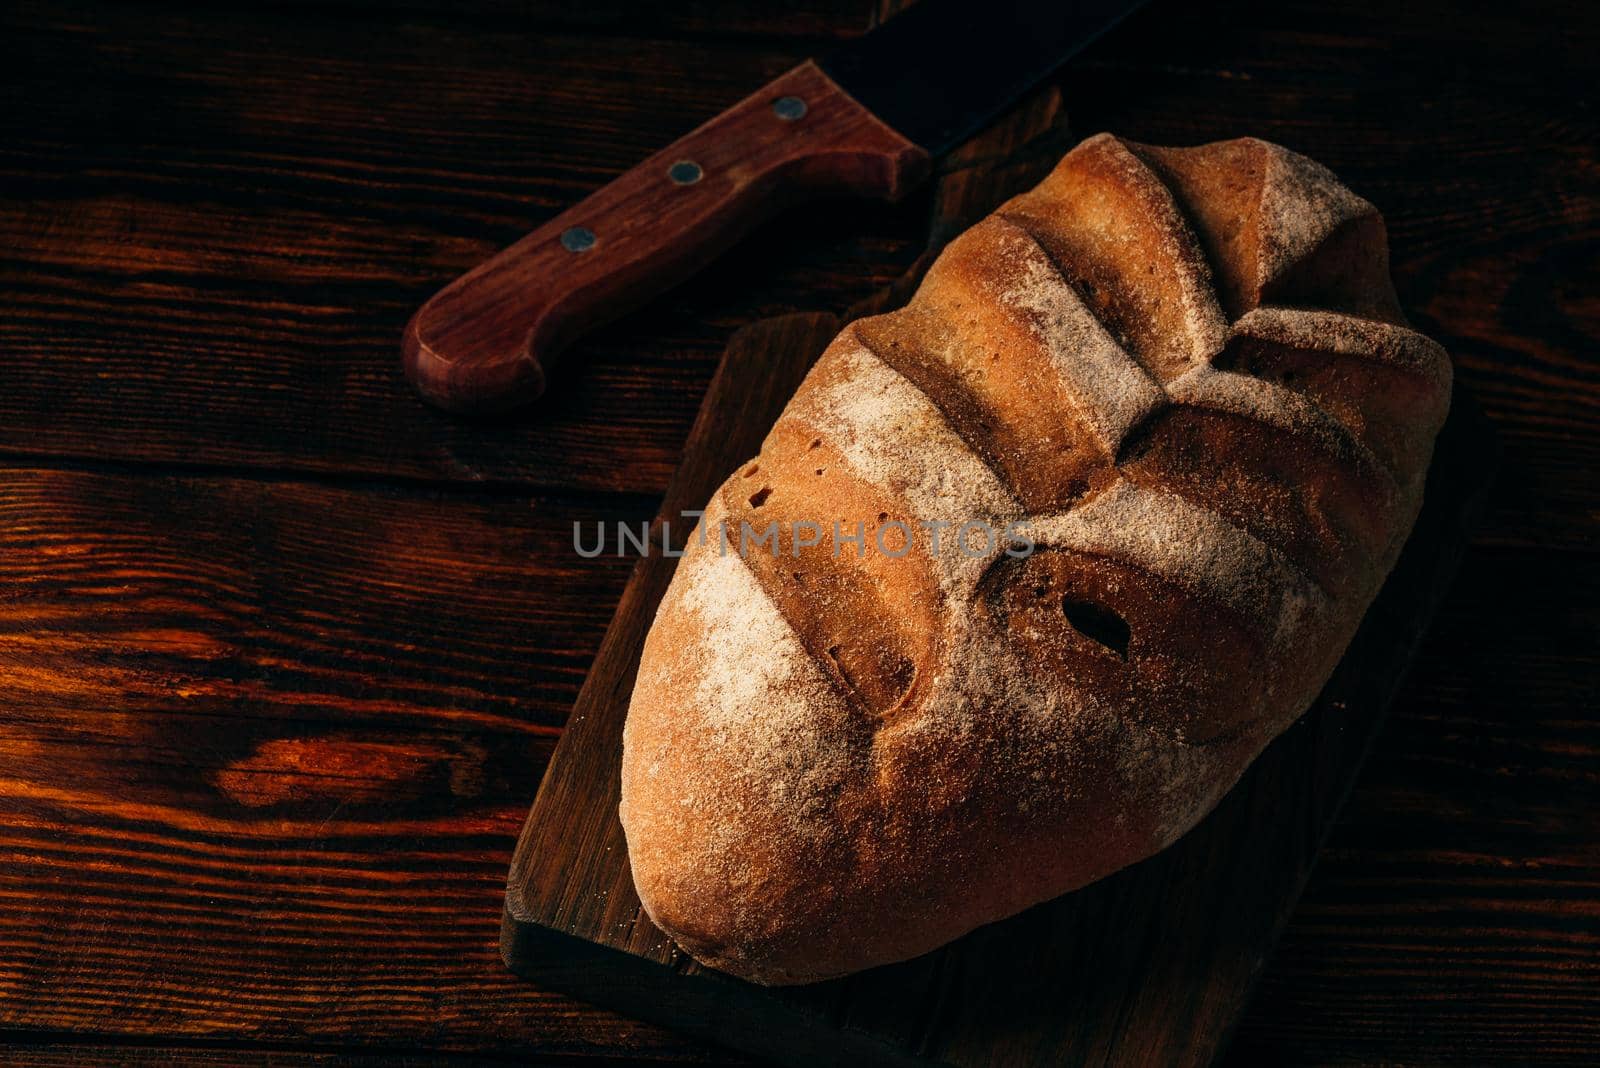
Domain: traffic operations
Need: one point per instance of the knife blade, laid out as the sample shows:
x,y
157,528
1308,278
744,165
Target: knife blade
x,y
944,69
866,120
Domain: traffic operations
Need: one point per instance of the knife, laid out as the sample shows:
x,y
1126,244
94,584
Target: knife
x,y
866,120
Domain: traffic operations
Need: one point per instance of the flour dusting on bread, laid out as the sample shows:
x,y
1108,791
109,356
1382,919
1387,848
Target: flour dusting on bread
x,y
1109,390
1304,204
833,762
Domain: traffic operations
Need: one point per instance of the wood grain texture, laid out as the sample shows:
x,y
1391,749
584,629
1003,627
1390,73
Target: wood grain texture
x,y
210,252
334,227
819,20
276,957
1463,880
213,225
230,811
47,1054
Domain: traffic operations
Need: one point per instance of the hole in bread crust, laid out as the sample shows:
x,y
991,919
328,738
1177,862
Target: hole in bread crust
x,y
752,470
759,497
1098,624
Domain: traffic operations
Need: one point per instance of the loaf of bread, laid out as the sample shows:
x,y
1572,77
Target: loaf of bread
x,y
1171,402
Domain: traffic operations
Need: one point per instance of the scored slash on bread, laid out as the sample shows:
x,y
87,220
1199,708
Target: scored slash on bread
x,y
1184,374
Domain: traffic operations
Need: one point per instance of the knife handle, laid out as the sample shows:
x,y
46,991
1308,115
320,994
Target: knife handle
x,y
486,341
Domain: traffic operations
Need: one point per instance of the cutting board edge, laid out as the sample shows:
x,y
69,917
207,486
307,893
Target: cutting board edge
x,y
706,1004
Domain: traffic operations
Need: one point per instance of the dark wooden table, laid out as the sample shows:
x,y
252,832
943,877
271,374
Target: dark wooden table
x,y
282,653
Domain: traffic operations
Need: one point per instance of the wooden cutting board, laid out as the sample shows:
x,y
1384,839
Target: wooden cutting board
x,y
1149,966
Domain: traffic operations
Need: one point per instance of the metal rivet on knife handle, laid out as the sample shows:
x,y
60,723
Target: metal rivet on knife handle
x,y
789,108
577,239
685,172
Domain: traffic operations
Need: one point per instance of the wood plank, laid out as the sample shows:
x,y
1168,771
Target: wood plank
x,y
1520,721
818,19
264,750
295,602
78,1055
217,273
212,230
1453,917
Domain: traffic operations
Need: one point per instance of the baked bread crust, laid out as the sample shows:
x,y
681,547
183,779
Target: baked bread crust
x,y
1183,374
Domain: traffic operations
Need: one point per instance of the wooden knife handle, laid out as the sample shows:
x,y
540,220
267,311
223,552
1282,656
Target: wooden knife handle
x,y
485,342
